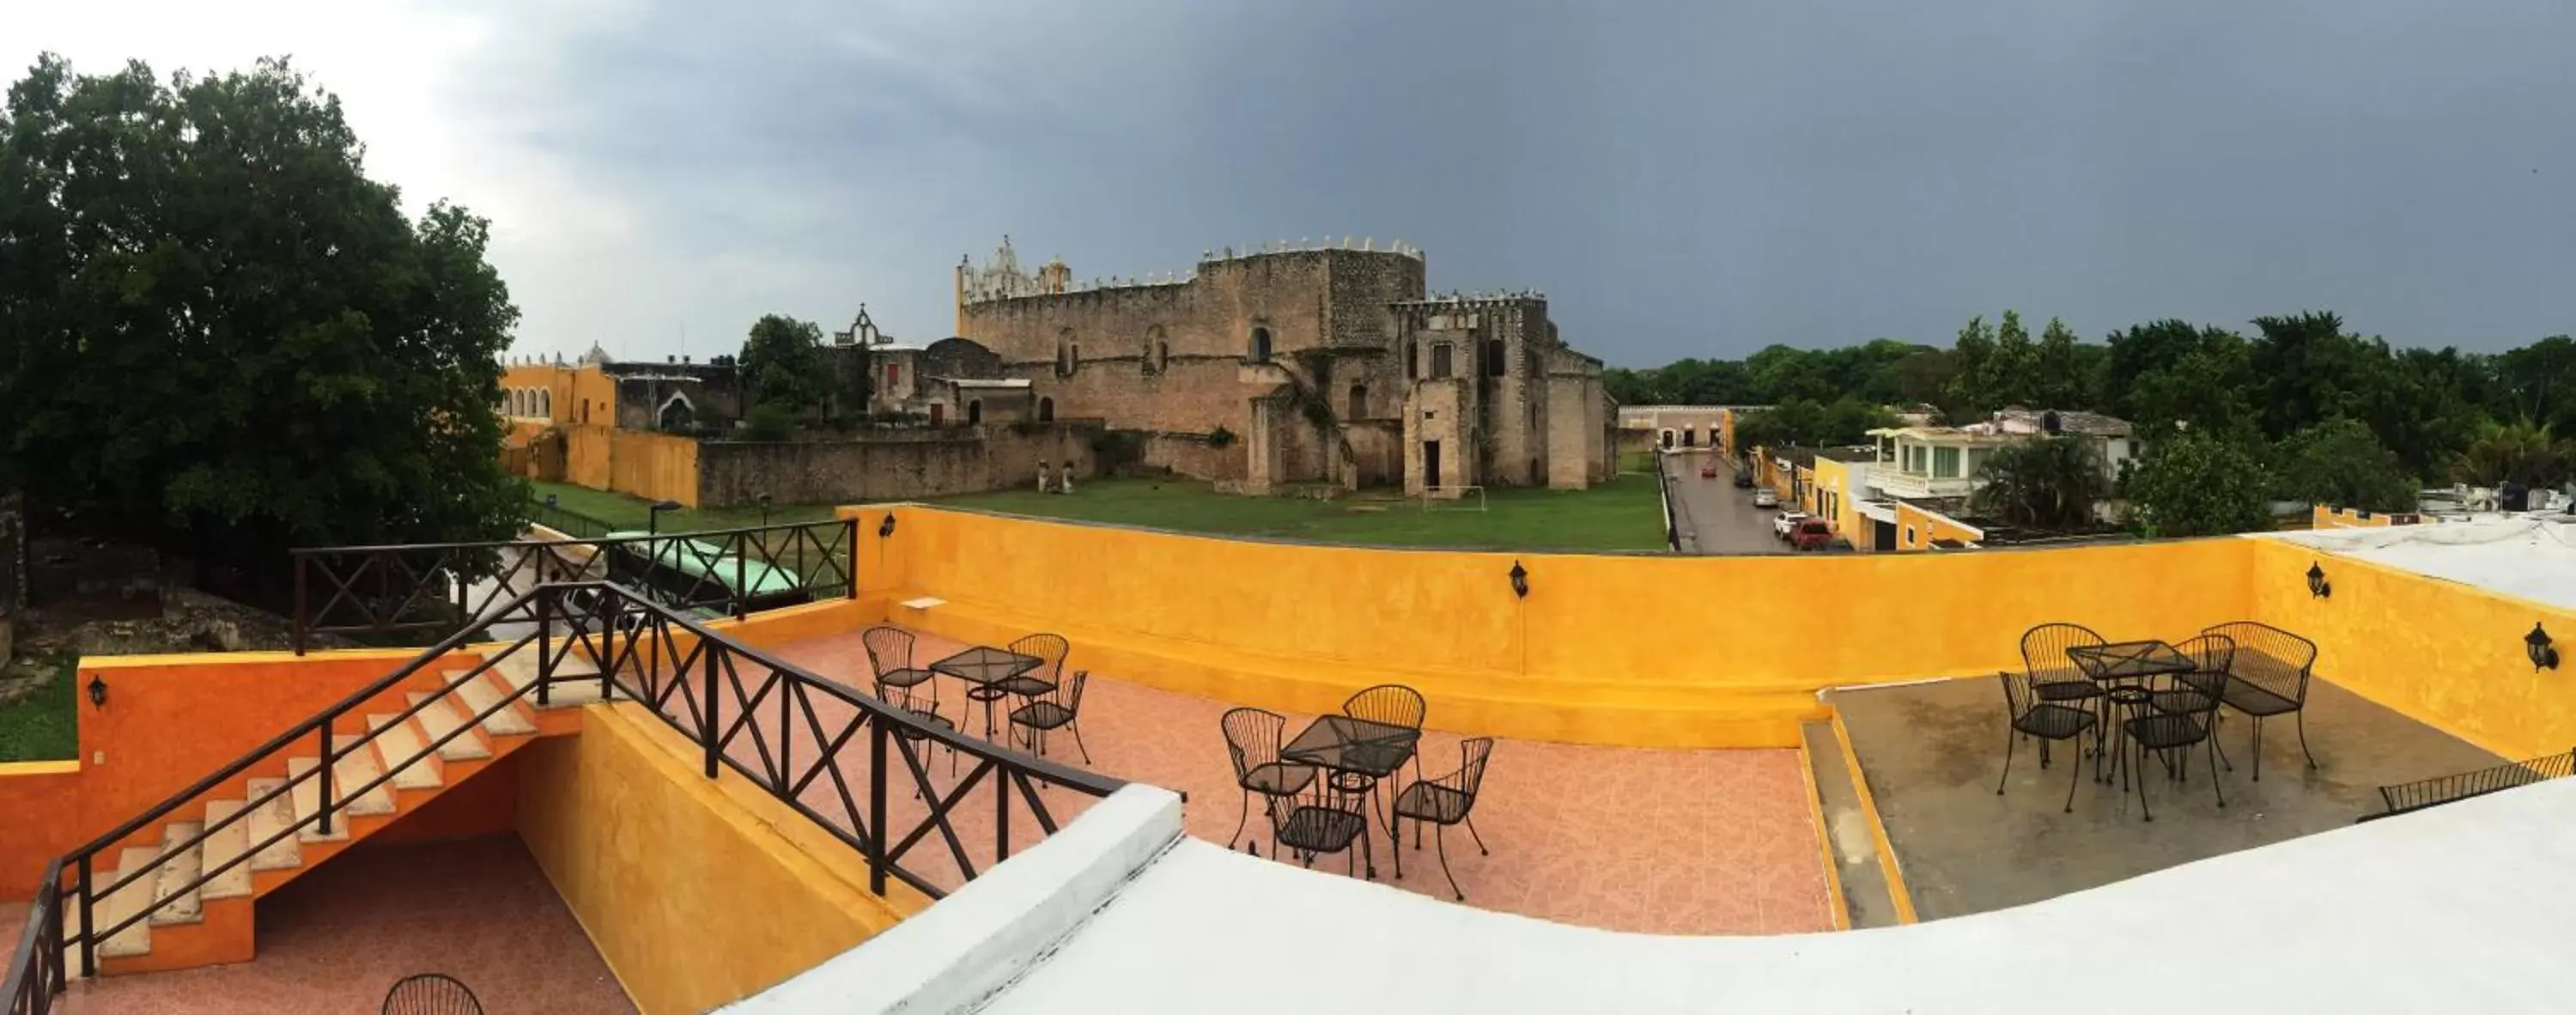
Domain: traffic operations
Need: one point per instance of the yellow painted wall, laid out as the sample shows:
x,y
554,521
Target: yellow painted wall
x,y
1848,521
1583,658
2325,517
648,465
1917,528
1726,431
697,891
2448,654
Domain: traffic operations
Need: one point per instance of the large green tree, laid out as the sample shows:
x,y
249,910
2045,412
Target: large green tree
x,y
782,366
2051,483
2197,484
2340,462
2523,452
217,333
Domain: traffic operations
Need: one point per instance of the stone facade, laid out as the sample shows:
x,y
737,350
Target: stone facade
x,y
891,466
1309,364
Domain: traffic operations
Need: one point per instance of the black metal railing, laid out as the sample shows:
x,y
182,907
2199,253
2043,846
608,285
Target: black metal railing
x,y
408,594
35,972
2407,797
567,521
711,688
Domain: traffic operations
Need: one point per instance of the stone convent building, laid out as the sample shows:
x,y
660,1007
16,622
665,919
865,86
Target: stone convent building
x,y
1299,363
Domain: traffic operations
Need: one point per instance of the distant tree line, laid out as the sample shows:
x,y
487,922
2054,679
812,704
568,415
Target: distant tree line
x,y
2298,409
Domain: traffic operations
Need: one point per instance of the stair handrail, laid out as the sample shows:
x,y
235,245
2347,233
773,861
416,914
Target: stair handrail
x,y
35,972
83,858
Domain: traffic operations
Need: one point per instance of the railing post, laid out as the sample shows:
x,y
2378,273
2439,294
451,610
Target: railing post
x,y
545,640
89,926
876,837
1001,812
325,773
741,578
850,580
303,624
707,705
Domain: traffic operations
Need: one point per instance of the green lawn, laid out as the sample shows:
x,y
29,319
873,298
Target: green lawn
x,y
1623,515
627,512
44,727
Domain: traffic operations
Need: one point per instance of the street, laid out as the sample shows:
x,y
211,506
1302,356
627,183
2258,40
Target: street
x,y
1714,517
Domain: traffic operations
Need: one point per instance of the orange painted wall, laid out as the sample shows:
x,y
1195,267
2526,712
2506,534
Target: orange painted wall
x,y
648,465
169,721
1917,528
484,804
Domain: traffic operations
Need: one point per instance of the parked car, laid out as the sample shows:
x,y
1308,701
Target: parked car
x,y
1811,534
1708,469
1743,479
1786,522
1764,498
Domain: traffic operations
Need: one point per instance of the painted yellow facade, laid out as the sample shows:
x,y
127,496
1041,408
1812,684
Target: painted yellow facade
x,y
697,892
1300,628
2324,517
1833,486
1916,528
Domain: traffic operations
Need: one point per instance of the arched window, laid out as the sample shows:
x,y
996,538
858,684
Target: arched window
x,y
585,410
1046,410
1155,350
1067,355
1162,355
1260,351
974,412
546,403
1359,402
1668,439
1690,437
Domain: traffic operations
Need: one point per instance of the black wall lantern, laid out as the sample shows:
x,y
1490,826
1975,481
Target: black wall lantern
x,y
2536,644
1520,580
886,528
97,691
2317,587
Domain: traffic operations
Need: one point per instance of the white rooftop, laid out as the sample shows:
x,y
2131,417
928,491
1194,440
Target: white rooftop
x,y
2530,556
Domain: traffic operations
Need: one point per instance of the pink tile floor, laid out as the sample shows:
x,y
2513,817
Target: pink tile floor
x,y
336,939
1685,842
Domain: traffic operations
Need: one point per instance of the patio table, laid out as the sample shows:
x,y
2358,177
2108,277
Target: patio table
x,y
2116,664
986,668
1345,745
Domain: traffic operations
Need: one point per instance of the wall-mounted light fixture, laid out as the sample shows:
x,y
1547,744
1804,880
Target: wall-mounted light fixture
x,y
1520,581
97,691
2317,587
2536,645
886,528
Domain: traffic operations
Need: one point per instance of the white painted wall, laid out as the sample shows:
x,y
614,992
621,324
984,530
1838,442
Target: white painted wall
x,y
2455,909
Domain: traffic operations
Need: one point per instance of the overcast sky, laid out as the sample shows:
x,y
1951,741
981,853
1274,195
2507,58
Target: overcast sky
x,y
1682,177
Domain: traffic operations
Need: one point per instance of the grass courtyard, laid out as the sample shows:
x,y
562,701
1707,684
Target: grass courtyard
x,y
1621,515
44,726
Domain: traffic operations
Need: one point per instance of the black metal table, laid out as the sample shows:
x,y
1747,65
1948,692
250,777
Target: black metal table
x,y
2124,666
1358,747
986,668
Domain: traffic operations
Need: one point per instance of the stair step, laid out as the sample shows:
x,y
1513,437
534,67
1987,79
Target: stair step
x,y
396,740
228,842
271,818
440,716
519,669
179,903
480,694
112,908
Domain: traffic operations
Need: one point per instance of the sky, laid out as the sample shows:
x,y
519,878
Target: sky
x,y
1681,177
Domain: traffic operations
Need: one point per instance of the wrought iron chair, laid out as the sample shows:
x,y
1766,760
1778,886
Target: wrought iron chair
x,y
430,994
890,655
1058,707
921,701
1392,704
1049,650
2267,676
1444,801
2165,732
1253,737
2053,674
2030,715
1312,830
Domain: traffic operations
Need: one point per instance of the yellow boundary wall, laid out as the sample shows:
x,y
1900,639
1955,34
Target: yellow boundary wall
x,y
1643,651
697,892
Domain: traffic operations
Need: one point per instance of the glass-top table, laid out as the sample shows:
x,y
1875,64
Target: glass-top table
x,y
2129,660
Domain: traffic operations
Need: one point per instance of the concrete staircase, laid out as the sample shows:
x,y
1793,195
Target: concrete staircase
x,y
212,923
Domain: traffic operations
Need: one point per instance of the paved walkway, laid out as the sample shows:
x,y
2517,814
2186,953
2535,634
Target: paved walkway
x,y
1717,517
1697,842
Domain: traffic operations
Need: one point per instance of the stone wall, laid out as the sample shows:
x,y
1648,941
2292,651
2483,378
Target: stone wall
x,y
897,465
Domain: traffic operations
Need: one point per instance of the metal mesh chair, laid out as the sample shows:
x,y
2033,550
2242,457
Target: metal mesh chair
x,y
921,701
2053,674
430,994
1392,704
1058,707
1049,650
1312,830
1444,801
890,655
1253,738
2210,655
2267,676
2030,715
2166,732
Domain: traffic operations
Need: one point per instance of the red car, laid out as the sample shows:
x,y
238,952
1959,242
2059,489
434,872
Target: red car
x,y
1812,534
1708,470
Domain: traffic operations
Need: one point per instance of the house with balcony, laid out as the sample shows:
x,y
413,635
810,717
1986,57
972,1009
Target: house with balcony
x,y
1942,461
